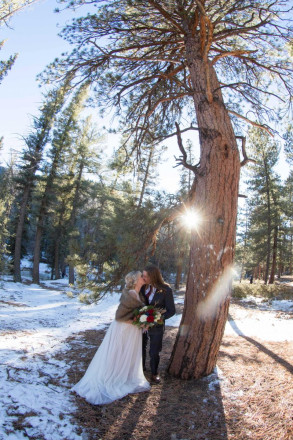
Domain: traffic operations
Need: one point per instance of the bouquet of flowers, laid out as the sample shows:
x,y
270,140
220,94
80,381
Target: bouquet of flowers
x,y
147,316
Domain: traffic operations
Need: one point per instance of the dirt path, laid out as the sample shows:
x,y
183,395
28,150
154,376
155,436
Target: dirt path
x,y
251,397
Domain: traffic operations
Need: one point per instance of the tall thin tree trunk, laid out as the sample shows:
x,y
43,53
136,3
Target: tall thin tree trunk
x,y
58,239
37,248
243,262
291,252
274,260
24,206
41,219
146,176
269,227
179,267
72,221
212,250
56,259
18,235
281,257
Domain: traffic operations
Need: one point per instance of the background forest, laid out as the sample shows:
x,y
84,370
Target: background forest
x,y
93,216
93,220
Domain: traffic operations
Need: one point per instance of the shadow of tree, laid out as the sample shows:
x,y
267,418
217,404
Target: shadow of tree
x,y
260,346
173,409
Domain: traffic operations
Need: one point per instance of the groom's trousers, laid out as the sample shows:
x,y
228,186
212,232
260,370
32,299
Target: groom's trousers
x,y
155,335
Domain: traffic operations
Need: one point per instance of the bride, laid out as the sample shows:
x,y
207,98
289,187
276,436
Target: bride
x,y
116,369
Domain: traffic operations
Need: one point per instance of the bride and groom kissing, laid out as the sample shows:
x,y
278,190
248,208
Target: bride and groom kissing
x,y
118,367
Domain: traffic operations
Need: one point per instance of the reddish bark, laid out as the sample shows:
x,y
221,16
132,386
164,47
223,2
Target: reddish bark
x,y
212,248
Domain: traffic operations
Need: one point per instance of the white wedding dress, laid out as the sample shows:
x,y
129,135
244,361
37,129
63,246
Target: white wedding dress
x,y
116,369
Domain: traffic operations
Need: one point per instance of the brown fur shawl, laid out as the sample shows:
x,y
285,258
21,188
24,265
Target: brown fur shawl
x,y
128,303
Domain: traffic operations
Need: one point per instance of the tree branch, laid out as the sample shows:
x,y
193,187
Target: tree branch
x,y
244,154
160,101
183,159
234,53
255,124
166,15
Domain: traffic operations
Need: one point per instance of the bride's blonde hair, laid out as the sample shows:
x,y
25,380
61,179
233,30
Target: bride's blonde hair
x,y
131,279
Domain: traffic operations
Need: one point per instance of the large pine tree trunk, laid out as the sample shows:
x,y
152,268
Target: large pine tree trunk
x,y
212,249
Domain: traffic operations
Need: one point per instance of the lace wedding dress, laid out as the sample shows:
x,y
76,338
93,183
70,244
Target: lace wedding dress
x,y
116,369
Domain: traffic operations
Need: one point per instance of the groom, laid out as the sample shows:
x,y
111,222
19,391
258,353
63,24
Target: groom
x,y
159,294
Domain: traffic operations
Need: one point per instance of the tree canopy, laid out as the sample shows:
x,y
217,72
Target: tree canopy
x,y
136,55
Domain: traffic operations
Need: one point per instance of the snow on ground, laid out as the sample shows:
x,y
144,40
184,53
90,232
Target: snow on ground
x,y
266,323
267,328
34,324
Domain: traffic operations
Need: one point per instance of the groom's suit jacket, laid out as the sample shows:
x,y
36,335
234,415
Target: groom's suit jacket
x,y
163,299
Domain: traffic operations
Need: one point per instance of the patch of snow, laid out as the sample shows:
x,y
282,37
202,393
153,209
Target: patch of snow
x,y
174,321
178,300
265,326
34,323
283,305
253,299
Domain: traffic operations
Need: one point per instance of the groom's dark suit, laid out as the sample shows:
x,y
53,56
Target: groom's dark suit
x,y
163,299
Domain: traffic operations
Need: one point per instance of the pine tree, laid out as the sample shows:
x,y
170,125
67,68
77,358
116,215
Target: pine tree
x,y
7,194
6,65
31,159
61,142
265,201
10,7
84,157
286,263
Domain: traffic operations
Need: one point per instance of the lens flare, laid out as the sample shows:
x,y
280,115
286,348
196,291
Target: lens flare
x,y
191,218
218,294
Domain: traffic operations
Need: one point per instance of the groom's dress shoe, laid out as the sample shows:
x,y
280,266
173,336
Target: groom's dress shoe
x,y
156,378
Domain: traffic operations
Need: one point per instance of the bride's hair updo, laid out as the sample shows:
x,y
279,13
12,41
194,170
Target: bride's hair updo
x,y
131,279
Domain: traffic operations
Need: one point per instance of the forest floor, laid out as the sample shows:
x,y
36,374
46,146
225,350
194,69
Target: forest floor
x,y
48,338
250,395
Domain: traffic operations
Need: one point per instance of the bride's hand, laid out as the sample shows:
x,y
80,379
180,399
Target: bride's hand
x,y
145,328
